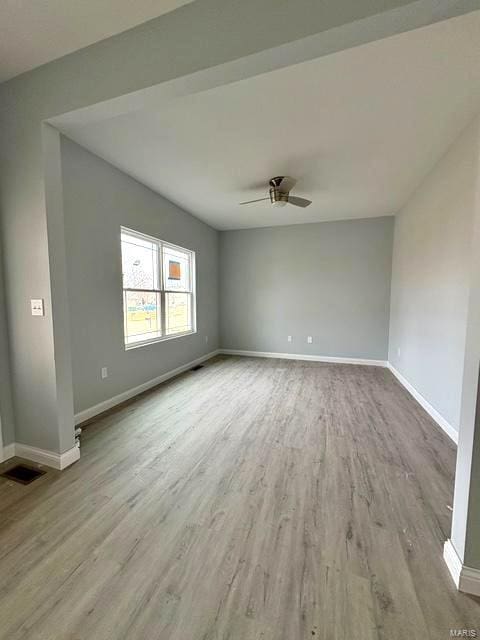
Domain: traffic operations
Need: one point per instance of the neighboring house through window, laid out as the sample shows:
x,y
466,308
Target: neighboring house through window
x,y
158,289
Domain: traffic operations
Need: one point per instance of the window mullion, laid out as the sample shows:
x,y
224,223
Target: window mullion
x,y
163,312
193,303
161,284
125,314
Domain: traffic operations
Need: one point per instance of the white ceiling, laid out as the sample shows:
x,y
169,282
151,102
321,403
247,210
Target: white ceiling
x,y
359,129
33,32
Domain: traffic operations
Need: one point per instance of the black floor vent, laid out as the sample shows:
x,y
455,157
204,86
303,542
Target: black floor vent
x,y
23,474
197,367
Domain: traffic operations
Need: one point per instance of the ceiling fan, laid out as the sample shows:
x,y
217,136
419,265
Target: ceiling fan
x,y
279,193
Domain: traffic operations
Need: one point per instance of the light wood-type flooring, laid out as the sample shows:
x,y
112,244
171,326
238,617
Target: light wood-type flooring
x,y
253,499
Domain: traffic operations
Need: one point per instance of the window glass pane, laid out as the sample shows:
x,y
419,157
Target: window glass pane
x,y
139,263
176,269
142,316
178,313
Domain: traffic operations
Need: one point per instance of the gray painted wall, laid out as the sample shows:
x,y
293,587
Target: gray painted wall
x,y
98,199
6,406
329,280
431,279
466,513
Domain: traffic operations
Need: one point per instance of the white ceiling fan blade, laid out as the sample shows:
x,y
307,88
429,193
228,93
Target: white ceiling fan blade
x,y
252,201
299,202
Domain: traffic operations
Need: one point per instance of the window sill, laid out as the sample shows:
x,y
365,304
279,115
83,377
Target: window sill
x,y
146,343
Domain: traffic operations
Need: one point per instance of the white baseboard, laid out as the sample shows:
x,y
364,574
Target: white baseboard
x,y
465,578
470,581
302,356
439,419
8,451
91,412
52,459
453,562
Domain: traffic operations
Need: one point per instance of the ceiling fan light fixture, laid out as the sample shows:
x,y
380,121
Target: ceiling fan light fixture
x,y
279,203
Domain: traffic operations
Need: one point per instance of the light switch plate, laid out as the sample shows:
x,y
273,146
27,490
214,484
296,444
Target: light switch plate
x,y
37,307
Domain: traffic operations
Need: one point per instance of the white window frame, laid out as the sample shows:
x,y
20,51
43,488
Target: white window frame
x,y
162,291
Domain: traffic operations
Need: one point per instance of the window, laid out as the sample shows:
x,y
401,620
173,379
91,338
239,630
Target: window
x,y
158,289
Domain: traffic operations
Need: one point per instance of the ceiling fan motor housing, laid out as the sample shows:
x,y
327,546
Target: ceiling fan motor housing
x,y
277,197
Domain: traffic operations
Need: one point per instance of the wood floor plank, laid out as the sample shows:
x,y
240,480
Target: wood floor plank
x,y
253,499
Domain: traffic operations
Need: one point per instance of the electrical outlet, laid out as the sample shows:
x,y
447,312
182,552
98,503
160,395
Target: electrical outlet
x,y
289,338
206,339
309,339
104,373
